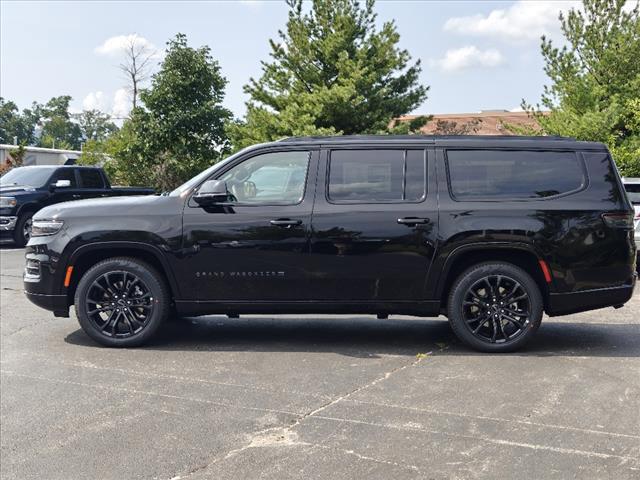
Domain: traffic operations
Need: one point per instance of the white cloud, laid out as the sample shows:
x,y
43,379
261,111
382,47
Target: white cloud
x,y
522,21
468,57
115,45
94,101
121,103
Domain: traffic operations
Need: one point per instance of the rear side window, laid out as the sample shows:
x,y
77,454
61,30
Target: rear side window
x,y
374,176
91,178
495,175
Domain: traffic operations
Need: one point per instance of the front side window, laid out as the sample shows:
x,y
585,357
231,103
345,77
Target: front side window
x,y
276,178
495,175
66,174
374,176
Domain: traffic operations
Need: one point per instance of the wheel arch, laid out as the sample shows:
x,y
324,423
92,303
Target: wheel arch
x,y
28,207
464,257
86,256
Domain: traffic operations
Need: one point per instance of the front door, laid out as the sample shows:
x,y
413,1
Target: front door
x,y
65,194
374,224
253,246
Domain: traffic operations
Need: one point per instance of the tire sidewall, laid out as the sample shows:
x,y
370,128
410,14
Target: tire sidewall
x,y
152,280
18,237
471,276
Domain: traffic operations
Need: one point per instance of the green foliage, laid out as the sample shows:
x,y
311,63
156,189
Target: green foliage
x,y
17,155
409,127
95,125
331,72
58,130
16,124
595,80
181,129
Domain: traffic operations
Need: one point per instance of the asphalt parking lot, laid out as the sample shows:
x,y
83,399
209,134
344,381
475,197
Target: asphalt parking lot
x,y
315,397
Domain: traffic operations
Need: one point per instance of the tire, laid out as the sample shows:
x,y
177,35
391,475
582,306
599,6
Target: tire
x,y
22,232
495,307
126,293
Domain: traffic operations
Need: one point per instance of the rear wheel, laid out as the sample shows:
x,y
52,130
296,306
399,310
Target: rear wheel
x,y
121,302
22,232
495,307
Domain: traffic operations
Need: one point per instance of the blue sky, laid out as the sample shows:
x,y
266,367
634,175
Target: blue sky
x,y
475,55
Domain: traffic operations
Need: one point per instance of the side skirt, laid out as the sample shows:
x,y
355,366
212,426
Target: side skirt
x,y
420,309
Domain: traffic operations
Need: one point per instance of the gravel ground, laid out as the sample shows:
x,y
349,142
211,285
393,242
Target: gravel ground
x,y
315,397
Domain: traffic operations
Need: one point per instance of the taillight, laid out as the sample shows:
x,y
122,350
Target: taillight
x,y
618,220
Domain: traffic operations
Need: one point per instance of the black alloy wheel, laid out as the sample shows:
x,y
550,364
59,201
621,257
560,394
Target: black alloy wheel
x,y
495,307
121,302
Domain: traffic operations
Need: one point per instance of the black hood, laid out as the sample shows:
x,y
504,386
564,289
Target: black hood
x,y
13,189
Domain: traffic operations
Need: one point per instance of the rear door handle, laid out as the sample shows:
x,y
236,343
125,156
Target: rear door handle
x,y
412,221
285,222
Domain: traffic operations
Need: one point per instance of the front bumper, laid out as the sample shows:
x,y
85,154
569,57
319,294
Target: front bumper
x,y
56,303
574,302
8,223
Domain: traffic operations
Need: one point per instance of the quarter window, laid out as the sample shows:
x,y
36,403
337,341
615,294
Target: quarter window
x,y
272,178
492,174
372,176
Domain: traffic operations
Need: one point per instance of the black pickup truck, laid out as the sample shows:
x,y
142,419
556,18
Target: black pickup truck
x,y
25,190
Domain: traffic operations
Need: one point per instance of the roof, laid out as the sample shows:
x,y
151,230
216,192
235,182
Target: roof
x,y
480,141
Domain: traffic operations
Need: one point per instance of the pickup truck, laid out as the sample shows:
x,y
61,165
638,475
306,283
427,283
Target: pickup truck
x,y
25,190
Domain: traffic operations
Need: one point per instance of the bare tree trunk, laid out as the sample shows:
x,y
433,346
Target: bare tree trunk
x,y
136,65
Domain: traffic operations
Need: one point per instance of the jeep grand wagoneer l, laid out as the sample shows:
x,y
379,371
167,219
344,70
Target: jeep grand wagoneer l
x,y
489,231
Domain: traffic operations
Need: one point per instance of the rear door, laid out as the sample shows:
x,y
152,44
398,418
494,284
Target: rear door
x,y
374,224
91,183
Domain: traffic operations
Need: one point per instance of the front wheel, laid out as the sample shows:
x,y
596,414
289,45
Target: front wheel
x,y
495,307
22,232
121,302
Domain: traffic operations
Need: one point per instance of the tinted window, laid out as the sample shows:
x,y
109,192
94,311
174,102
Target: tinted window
x,y
491,174
271,178
633,192
377,175
66,174
91,178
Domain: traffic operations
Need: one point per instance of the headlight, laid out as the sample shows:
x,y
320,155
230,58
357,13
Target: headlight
x,y
42,228
7,202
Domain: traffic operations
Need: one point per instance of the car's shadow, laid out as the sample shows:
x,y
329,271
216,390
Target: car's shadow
x,y
367,337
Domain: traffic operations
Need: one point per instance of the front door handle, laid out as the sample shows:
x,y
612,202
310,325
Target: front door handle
x,y
285,222
412,221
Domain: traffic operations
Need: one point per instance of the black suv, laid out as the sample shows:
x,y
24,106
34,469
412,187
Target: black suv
x,y
489,231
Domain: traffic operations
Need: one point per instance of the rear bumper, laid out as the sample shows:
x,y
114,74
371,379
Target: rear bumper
x,y
574,302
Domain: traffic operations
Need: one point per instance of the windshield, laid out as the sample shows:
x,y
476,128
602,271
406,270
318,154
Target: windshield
x,y
633,192
28,176
186,187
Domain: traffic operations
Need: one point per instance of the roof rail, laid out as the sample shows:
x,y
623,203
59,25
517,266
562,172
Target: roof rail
x,y
347,138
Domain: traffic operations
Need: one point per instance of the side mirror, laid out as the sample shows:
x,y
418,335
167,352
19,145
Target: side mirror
x,y
211,191
60,184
